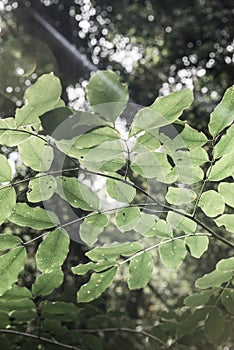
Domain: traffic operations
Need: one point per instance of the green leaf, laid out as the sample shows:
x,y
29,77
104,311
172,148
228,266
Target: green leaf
x,y
198,299
82,269
5,169
7,202
8,241
146,142
151,165
53,250
23,316
180,195
188,173
225,265
36,217
190,323
97,284
181,222
53,326
11,138
213,279
197,245
96,137
140,271
4,321
226,189
226,220
17,299
16,293
41,188
127,218
225,144
108,156
160,229
41,97
120,191
198,156
92,227
146,224
222,116
114,250
165,110
63,123
47,282
172,253
227,299
214,323
55,119
59,310
76,193
11,264
223,168
93,342
192,138
36,154
106,94
212,203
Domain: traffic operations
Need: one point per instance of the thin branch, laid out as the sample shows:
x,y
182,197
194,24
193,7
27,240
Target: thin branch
x,y
161,243
39,175
121,329
41,339
204,183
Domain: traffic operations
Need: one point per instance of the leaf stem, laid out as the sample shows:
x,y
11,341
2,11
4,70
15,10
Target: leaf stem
x,y
39,339
161,243
120,329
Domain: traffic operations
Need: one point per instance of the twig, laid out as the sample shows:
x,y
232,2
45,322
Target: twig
x,y
121,329
161,243
41,339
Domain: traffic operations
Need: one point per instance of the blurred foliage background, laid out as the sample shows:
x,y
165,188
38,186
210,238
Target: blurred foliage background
x,y
157,47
